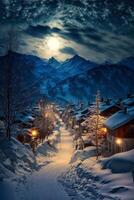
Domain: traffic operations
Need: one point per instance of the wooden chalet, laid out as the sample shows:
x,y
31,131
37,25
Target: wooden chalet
x,y
120,131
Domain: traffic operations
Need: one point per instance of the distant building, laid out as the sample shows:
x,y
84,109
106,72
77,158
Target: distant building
x,y
120,130
129,101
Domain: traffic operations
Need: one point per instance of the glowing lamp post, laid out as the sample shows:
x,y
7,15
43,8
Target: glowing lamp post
x,y
34,134
118,141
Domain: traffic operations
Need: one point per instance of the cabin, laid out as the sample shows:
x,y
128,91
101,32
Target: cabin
x,y
120,131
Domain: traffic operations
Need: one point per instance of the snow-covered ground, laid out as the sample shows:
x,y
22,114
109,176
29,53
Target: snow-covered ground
x,y
18,160
43,184
87,179
65,174
15,159
47,149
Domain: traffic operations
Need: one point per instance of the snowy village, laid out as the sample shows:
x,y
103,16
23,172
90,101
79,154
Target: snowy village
x,y
66,100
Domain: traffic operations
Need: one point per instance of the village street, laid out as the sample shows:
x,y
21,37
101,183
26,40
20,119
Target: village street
x,y
43,184
59,179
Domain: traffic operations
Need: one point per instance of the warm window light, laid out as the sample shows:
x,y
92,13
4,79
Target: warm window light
x,y
104,130
34,133
118,141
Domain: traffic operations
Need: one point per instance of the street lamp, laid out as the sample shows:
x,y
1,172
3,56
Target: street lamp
x,y
118,141
34,133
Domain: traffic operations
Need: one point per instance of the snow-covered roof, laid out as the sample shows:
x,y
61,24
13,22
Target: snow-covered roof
x,y
105,106
79,115
120,118
128,101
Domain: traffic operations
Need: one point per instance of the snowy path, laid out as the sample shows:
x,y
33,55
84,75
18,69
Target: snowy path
x,y
43,185
75,181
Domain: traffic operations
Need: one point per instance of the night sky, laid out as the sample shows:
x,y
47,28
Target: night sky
x,y
95,29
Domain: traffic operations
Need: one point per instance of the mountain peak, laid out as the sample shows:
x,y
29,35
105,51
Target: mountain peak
x,y
77,57
53,62
52,59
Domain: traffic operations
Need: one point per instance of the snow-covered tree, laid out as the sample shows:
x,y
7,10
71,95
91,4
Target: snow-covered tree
x,y
91,121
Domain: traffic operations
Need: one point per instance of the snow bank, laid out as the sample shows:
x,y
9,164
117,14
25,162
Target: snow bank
x,y
43,152
44,149
81,155
120,163
15,158
49,146
54,138
87,140
5,173
81,183
47,149
87,180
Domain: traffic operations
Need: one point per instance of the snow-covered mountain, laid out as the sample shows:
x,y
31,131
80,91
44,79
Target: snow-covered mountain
x,y
111,80
54,63
27,75
69,68
75,65
74,79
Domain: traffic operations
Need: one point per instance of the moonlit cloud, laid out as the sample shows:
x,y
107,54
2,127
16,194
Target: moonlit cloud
x,y
96,29
68,50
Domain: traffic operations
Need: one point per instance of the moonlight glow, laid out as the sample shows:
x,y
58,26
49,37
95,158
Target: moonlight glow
x,y
53,43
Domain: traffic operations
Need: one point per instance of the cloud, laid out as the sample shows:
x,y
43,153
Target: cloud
x,y
40,31
97,29
29,11
105,14
68,50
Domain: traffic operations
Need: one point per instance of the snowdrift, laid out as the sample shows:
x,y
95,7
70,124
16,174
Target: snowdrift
x,y
15,159
120,163
48,147
55,138
44,149
81,155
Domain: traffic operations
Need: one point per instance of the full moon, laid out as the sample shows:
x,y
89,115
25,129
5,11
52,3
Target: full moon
x,y
53,44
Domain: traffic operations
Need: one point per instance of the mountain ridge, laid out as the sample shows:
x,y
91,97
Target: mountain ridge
x,y
77,77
